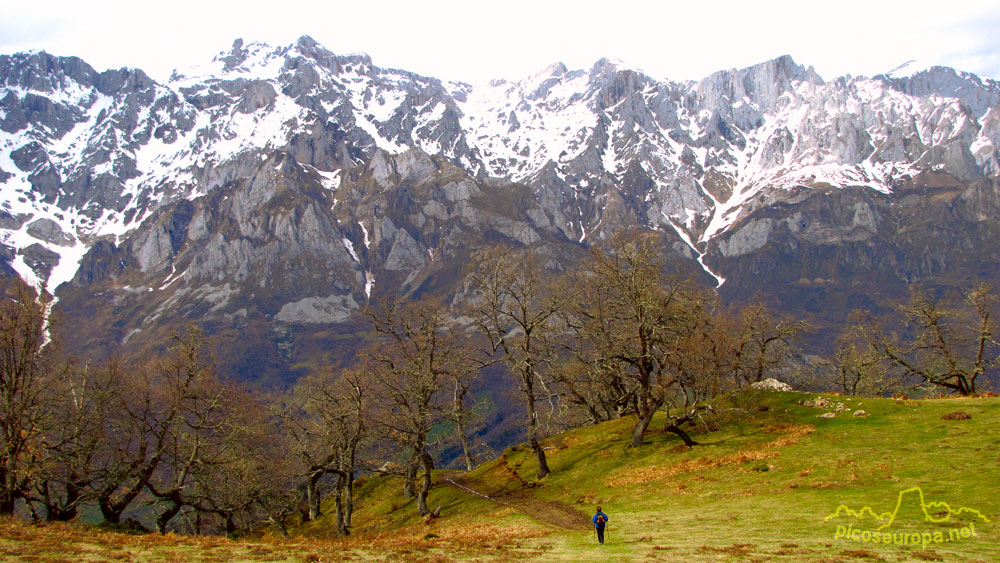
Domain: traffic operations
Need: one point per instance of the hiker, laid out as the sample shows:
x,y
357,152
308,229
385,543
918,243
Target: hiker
x,y
600,520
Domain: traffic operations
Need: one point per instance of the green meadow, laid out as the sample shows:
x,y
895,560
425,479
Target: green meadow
x,y
770,480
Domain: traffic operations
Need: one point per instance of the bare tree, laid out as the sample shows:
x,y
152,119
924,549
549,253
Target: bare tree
x,y
591,384
632,316
352,425
246,476
763,342
326,418
515,309
165,411
309,443
699,354
26,365
459,413
857,366
274,471
953,346
196,416
412,366
133,441
69,465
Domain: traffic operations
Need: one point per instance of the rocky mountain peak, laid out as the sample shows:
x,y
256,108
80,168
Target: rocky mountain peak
x,y
312,50
235,57
273,159
39,71
761,84
977,93
298,64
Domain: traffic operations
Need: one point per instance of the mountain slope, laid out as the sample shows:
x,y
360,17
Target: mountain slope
x,y
771,484
277,189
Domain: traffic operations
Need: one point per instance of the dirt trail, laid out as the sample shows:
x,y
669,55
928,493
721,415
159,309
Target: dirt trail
x,y
549,511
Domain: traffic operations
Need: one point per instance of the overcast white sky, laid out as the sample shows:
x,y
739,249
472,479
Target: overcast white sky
x,y
476,41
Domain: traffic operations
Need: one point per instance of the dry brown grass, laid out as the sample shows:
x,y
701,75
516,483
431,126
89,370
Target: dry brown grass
x,y
734,550
862,554
74,543
654,472
824,485
792,434
458,539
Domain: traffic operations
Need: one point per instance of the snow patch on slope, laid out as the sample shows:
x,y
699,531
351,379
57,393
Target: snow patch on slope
x,y
719,280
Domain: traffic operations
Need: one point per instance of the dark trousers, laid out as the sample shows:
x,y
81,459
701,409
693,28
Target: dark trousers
x,y
600,534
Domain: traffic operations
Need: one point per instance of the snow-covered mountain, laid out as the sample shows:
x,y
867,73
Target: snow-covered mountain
x,y
199,187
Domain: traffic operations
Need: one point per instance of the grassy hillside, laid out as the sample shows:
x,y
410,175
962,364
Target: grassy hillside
x,y
770,481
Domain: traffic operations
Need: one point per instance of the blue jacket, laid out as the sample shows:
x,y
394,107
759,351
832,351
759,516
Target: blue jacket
x,y
596,525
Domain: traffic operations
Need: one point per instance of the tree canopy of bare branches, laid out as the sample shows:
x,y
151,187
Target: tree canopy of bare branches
x,y
26,366
517,311
413,364
630,320
948,344
326,421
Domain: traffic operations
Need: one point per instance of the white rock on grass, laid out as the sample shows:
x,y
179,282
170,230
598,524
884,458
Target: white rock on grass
x,y
771,384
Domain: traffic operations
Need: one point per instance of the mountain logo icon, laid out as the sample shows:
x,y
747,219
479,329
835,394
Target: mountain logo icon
x,y
934,511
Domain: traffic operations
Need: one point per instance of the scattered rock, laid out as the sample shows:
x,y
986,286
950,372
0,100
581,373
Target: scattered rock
x,y
436,513
40,259
771,384
957,415
823,403
50,231
389,468
860,413
12,222
817,403
828,415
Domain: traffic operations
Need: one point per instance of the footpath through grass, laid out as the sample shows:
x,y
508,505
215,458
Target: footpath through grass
x,y
768,487
760,486
771,480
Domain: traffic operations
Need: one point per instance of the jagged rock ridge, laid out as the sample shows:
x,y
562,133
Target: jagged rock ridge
x,y
285,185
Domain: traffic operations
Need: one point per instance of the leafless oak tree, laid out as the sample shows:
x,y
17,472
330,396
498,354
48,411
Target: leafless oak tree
x,y
517,312
26,366
952,345
632,317
413,365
